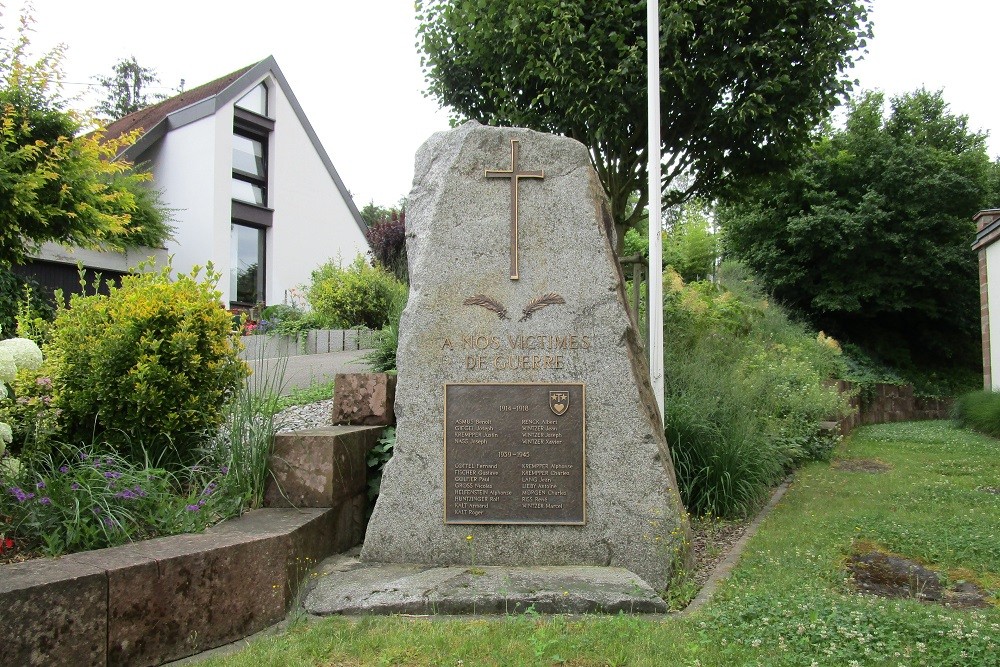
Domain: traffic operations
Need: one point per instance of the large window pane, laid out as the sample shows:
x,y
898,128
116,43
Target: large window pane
x,y
255,100
248,156
246,277
248,192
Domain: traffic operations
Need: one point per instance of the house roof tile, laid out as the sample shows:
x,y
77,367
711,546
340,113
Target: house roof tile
x,y
146,119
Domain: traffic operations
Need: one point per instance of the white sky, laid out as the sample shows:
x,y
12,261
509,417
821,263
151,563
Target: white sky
x,y
354,66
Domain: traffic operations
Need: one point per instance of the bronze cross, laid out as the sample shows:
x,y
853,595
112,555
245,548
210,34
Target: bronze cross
x,y
514,175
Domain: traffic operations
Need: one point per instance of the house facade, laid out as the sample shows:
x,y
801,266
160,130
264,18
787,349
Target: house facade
x,y
248,183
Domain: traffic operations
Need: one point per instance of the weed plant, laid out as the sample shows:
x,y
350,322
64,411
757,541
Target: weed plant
x,y
382,357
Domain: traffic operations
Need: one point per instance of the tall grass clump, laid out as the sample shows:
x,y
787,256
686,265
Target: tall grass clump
x,y
745,393
979,411
246,438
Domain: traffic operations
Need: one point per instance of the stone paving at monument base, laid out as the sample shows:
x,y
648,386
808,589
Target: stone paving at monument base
x,y
345,585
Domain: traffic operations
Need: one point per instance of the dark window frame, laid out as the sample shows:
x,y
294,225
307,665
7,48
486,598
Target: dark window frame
x,y
260,286
253,179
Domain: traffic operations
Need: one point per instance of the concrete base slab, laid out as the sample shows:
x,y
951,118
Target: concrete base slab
x,y
348,586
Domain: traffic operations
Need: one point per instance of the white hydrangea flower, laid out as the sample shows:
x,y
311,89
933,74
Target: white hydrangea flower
x,y
25,352
3,391
6,435
8,369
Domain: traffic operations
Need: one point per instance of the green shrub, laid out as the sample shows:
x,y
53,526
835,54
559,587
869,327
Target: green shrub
x,y
744,393
147,368
979,411
20,296
382,357
358,295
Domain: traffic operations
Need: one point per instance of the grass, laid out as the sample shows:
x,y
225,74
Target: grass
x,y
317,391
788,602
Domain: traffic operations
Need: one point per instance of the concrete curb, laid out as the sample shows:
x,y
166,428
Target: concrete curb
x,y
723,569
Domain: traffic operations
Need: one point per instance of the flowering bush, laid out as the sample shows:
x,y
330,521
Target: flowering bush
x,y
15,353
95,500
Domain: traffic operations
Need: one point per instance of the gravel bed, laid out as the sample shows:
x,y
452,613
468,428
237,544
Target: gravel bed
x,y
311,415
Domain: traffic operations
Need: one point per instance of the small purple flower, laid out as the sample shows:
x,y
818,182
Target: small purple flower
x,y
209,489
74,486
20,495
112,474
63,469
96,510
43,382
138,491
126,495
224,470
40,485
193,508
83,457
201,503
109,522
44,500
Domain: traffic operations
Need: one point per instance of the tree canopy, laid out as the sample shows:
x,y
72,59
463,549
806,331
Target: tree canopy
x,y
125,91
870,234
56,184
742,83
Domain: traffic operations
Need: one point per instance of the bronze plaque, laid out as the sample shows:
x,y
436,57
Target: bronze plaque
x,y
515,453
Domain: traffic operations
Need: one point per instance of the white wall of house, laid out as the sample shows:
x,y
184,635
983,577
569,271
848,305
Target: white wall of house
x,y
184,168
312,222
993,287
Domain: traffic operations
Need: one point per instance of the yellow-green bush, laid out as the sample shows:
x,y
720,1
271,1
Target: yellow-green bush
x,y
358,295
148,368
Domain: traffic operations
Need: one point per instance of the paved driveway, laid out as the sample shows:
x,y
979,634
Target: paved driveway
x,y
304,370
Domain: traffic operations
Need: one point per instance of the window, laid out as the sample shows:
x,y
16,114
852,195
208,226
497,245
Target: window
x,y
250,168
250,213
246,278
255,100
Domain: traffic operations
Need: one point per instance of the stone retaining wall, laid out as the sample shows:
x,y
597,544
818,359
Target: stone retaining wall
x,y
167,598
889,403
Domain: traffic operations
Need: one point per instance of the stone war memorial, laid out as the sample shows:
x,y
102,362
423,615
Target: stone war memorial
x,y
527,431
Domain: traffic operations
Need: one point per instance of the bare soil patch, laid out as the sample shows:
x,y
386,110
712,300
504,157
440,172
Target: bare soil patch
x,y
711,541
892,576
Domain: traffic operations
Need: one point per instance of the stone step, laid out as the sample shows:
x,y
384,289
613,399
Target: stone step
x,y
348,586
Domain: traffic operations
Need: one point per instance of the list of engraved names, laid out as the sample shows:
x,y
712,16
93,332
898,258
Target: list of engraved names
x,y
514,453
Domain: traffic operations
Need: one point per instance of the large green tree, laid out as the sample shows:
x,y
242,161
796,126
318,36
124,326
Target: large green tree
x,y
870,234
742,83
57,184
126,89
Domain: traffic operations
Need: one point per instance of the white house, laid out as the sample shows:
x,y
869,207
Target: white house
x,y
249,185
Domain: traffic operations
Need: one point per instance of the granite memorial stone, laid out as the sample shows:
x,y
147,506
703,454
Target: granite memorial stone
x,y
527,432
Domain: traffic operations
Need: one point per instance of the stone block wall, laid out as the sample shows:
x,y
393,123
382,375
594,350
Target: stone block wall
x,y
316,341
889,403
163,599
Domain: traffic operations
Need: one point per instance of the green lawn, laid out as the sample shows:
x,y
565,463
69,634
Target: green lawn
x,y
789,601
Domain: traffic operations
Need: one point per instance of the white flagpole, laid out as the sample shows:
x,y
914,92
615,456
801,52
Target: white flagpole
x,y
655,308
